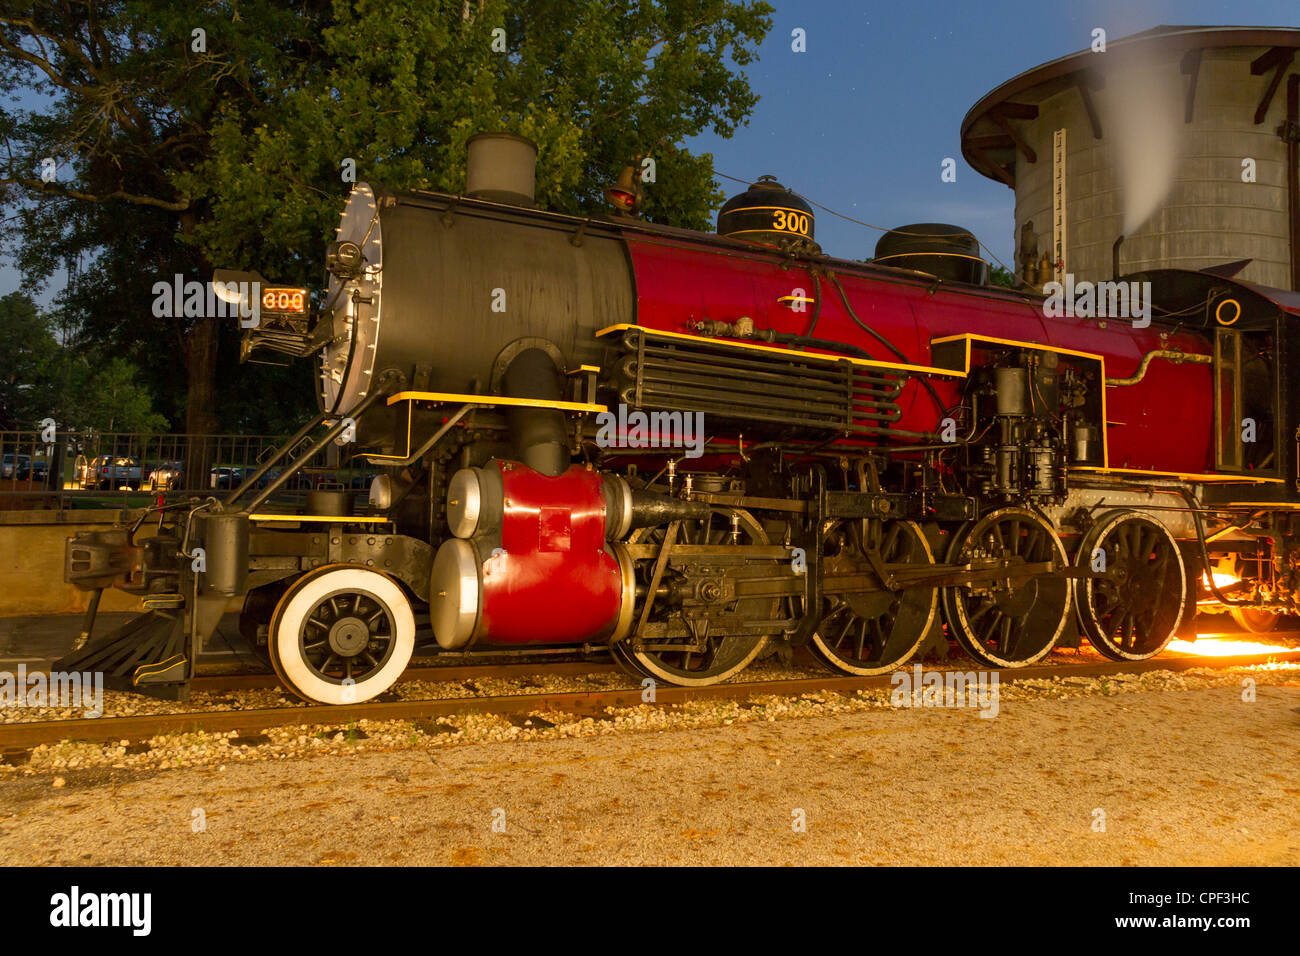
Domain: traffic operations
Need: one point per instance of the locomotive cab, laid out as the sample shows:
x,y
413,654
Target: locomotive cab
x,y
1251,330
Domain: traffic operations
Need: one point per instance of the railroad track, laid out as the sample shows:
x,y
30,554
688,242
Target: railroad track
x,y
16,737
217,683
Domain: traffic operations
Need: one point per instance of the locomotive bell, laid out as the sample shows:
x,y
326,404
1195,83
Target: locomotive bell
x,y
625,194
767,213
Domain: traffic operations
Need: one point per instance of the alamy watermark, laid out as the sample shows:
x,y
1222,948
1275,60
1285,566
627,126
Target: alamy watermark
x,y
1099,300
208,300
74,908
84,689
639,429
917,688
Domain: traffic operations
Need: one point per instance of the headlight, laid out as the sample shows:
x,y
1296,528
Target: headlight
x,y
381,492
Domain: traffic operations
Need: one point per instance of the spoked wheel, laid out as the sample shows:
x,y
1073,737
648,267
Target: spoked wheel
x,y
1132,614
1009,623
872,632
722,655
1256,620
624,659
341,635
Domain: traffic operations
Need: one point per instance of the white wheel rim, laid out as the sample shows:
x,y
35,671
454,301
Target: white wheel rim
x,y
650,664
303,598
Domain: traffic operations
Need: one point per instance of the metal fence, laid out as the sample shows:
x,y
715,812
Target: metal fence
x,y
126,469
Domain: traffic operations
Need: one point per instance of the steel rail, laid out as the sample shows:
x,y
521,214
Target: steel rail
x,y
25,735
218,683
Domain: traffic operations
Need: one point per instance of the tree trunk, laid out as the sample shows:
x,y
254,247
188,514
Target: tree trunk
x,y
200,401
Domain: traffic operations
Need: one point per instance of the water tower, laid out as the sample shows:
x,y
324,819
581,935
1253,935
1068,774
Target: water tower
x,y
1177,121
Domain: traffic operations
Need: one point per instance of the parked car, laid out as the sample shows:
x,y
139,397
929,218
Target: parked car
x,y
167,476
34,469
225,478
110,472
12,465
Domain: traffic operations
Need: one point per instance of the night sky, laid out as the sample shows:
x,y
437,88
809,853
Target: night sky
x,y
862,121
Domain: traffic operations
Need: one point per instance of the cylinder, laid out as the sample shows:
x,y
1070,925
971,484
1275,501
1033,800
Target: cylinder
x,y
225,546
544,575
455,593
501,167
1084,443
1012,390
474,501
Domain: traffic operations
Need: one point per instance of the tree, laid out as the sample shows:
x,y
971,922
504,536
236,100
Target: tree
x,y
1000,276
75,386
187,138
114,401
28,385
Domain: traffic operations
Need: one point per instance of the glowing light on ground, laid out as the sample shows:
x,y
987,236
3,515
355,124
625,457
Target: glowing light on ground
x,y
1207,645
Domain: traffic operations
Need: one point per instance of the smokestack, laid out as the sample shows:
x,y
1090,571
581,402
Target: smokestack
x,y
540,436
501,167
1114,257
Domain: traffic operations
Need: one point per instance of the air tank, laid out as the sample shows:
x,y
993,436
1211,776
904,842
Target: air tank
x,y
935,248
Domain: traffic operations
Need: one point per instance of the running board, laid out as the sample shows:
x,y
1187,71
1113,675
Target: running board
x,y
149,654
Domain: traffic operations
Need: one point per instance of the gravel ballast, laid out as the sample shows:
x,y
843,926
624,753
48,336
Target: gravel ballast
x,y
1177,767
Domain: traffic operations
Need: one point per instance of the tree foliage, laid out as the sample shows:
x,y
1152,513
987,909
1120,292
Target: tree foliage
x,y
78,387
1000,276
27,375
189,137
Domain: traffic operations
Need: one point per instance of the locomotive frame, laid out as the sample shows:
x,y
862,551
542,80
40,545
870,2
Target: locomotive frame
x,y
859,494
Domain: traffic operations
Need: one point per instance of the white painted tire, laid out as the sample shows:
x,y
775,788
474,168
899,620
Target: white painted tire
x,y
300,600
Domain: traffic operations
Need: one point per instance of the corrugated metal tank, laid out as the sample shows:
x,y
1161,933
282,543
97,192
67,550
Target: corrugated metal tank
x,y
1208,215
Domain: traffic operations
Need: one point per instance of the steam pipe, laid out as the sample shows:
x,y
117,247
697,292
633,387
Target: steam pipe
x,y
1172,355
538,432
1114,257
651,509
1194,507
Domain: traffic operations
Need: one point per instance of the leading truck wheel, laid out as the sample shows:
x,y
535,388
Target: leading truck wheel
x,y
341,635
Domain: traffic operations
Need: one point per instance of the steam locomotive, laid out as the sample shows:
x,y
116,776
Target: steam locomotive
x,y
893,452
